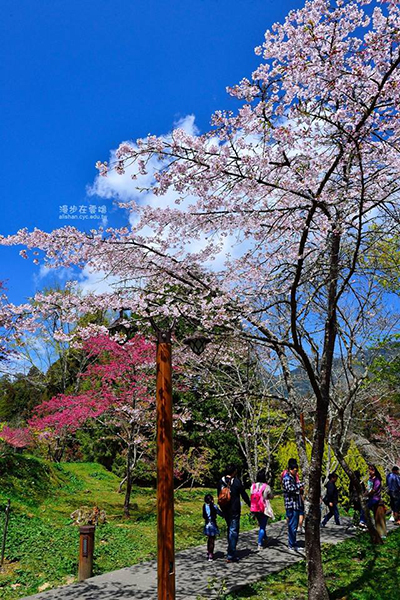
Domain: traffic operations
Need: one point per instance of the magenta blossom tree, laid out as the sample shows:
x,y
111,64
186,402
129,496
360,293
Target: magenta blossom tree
x,y
258,226
118,393
16,437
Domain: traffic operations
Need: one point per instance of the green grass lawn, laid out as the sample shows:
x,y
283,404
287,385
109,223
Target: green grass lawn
x,y
42,543
354,570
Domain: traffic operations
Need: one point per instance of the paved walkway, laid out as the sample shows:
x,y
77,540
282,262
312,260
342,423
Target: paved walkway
x,y
194,575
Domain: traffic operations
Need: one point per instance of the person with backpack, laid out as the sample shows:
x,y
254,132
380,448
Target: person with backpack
x,y
393,486
292,493
210,512
331,500
260,505
229,491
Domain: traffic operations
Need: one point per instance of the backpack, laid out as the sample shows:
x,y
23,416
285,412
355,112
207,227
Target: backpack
x,y
257,503
224,497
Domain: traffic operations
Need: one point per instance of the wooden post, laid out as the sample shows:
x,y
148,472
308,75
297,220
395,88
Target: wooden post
x,y
86,549
3,546
165,471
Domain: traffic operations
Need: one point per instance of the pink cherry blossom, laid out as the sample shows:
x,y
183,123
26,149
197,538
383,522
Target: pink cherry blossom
x,y
273,211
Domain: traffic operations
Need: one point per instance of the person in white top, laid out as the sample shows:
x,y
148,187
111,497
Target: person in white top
x,y
260,504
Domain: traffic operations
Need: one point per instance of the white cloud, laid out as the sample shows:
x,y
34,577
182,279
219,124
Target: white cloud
x,y
53,277
89,281
97,282
187,124
122,187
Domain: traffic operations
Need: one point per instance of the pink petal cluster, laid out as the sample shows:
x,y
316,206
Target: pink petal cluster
x,y
16,437
310,156
119,379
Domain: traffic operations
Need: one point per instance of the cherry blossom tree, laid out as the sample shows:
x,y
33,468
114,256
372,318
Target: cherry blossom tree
x,y
271,210
235,375
6,326
16,437
116,390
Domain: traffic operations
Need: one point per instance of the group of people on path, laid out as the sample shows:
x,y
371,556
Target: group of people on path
x,y
372,493
230,492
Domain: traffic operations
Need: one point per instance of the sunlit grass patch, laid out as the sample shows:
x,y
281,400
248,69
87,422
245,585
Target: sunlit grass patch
x,y
42,545
354,570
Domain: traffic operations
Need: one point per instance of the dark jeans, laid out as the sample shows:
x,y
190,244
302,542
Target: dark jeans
x,y
394,503
373,505
233,526
293,521
262,523
333,512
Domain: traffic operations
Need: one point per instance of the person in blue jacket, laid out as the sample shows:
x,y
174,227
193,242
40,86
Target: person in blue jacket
x,y
210,512
393,485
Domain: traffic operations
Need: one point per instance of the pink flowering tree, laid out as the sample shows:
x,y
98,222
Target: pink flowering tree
x,y
258,226
116,391
233,375
7,330
16,437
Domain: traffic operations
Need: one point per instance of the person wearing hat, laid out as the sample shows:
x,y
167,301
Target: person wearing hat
x,y
292,489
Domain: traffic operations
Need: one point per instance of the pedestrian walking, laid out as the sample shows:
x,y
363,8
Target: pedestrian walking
x,y
393,486
374,488
358,515
230,489
374,495
210,512
260,505
331,500
292,489
300,527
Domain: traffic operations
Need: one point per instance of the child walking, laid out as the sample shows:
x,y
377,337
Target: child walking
x,y
210,512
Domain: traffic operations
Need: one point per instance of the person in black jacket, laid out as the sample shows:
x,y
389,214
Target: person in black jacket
x,y
358,514
331,500
231,512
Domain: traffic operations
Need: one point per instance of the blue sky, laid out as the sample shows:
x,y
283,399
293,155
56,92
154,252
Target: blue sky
x,y
79,77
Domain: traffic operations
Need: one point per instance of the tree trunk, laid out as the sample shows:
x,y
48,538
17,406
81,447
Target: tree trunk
x,y
121,485
301,444
316,582
58,450
128,481
317,589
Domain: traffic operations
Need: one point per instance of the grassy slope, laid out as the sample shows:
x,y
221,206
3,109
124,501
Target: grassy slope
x,y
42,545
